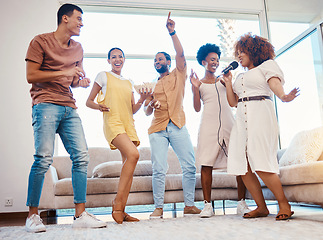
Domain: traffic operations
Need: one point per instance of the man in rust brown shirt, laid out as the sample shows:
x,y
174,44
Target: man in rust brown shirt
x,y
54,64
168,127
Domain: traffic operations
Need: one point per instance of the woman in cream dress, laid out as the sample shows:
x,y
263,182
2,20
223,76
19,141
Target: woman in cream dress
x,y
215,127
116,101
254,136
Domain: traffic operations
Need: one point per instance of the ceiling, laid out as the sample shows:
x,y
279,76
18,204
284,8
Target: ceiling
x,y
309,11
305,11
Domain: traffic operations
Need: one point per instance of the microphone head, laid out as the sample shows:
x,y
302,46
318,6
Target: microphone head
x,y
234,65
231,66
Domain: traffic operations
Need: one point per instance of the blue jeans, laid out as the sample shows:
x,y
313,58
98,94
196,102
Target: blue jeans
x,y
47,120
180,141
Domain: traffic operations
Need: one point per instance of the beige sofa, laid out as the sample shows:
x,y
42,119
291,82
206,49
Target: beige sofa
x,y
301,182
58,193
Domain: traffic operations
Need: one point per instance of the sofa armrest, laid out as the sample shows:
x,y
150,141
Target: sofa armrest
x,y
48,195
53,174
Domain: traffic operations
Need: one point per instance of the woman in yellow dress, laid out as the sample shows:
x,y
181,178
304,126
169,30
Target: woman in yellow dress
x,y
116,101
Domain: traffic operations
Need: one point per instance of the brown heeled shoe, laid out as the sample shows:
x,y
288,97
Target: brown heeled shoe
x,y
117,212
128,218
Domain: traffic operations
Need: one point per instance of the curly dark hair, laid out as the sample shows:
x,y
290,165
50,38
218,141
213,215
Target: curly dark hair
x,y
258,49
205,50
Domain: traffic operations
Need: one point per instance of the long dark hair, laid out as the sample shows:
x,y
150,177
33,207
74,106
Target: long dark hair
x,y
115,48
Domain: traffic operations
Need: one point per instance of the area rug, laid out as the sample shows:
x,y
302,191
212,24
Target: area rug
x,y
193,227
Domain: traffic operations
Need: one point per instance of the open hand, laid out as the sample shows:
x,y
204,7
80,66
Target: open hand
x,y
103,108
195,81
145,93
291,96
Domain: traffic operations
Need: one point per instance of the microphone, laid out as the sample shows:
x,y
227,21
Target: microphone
x,y
231,66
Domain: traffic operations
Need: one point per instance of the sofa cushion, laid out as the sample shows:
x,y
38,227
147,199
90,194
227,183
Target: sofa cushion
x,y
113,169
306,173
306,146
110,185
173,182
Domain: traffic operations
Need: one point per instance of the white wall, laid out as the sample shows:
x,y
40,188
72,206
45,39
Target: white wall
x,y
20,22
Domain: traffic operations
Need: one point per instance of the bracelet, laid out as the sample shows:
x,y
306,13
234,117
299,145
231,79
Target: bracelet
x,y
173,33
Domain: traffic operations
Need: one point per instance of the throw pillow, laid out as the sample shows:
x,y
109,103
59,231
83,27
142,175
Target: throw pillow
x,y
113,169
306,146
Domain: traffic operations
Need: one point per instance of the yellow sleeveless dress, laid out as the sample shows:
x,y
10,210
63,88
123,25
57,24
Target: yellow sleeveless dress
x,y
120,117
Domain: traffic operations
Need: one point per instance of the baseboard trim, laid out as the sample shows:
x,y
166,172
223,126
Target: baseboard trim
x,y
13,215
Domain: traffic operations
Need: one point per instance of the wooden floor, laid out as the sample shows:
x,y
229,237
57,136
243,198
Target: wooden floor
x,y
310,212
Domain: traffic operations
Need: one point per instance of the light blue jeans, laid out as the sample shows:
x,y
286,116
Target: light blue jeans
x,y
180,141
47,120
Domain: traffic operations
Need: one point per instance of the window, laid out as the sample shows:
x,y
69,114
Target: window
x,y
141,36
302,66
283,32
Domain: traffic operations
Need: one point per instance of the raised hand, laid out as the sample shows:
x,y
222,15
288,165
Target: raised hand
x,y
227,78
194,79
170,24
145,93
291,96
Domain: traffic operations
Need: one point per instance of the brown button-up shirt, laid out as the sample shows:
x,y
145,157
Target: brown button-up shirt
x,y
169,91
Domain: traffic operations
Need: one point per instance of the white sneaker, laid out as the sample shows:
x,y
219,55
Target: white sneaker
x,y
88,220
207,210
157,213
35,224
242,207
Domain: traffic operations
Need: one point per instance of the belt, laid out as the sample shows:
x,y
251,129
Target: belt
x,y
254,98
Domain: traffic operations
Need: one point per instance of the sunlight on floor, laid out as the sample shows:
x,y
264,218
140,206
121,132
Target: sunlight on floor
x,y
301,211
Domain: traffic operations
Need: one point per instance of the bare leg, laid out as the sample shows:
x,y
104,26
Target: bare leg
x,y
253,185
272,181
206,181
124,158
79,208
241,188
33,210
127,217
130,156
130,153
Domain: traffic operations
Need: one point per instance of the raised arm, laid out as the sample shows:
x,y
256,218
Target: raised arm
x,y
180,58
196,91
231,96
277,88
